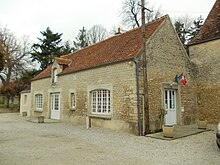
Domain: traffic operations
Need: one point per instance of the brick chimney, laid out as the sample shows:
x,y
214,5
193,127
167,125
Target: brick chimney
x,y
119,31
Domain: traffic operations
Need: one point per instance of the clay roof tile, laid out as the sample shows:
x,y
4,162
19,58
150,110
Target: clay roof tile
x,y
211,27
117,48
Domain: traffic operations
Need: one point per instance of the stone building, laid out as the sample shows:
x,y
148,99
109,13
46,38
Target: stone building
x,y
204,52
25,103
103,83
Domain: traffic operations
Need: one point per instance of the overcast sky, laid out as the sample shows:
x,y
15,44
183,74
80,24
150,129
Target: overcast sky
x,y
29,17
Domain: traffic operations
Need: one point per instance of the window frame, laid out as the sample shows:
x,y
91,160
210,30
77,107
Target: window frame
x,y
39,102
55,77
25,99
100,102
72,107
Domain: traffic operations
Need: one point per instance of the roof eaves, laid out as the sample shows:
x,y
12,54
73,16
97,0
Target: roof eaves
x,y
26,91
34,79
203,41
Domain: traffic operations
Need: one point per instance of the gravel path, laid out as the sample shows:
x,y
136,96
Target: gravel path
x,y
27,143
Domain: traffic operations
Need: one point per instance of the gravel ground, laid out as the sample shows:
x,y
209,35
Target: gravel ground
x,y
27,143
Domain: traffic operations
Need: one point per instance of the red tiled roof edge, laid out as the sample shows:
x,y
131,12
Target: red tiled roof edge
x,y
46,73
211,27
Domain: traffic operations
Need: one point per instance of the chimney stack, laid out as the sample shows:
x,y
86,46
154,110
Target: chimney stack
x,y
119,31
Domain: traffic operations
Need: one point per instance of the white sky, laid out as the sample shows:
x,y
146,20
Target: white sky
x,y
29,17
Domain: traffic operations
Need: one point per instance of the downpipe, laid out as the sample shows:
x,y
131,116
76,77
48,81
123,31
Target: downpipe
x,y
138,95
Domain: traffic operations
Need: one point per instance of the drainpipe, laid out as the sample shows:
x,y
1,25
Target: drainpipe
x,y
138,95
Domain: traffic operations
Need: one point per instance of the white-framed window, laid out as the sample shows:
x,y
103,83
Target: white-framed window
x,y
73,100
100,102
39,101
54,75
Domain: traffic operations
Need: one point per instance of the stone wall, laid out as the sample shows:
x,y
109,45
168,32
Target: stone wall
x,y
208,98
206,69
25,102
166,58
206,60
119,78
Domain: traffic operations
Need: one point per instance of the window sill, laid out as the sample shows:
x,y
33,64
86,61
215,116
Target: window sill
x,y
54,84
105,117
72,109
38,111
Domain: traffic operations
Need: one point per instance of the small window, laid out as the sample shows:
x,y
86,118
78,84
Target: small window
x,y
25,99
54,75
100,102
73,101
39,101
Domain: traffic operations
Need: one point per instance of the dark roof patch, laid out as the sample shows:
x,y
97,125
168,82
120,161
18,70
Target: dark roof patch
x,y
211,27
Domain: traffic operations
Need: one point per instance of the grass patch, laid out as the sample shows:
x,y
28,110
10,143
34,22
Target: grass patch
x,y
3,106
12,106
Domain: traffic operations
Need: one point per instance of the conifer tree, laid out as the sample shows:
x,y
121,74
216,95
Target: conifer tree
x,y
47,49
82,39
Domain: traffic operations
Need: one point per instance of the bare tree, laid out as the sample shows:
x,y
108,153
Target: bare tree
x,y
186,20
1,57
96,34
15,55
131,13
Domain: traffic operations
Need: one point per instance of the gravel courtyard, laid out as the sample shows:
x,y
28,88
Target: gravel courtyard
x,y
27,143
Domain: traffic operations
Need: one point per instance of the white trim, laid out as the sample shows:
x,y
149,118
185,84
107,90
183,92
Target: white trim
x,y
100,95
98,86
54,75
37,99
72,91
55,98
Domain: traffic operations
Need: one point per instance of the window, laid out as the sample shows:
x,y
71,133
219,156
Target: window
x,y
54,75
73,101
25,99
39,101
170,99
100,102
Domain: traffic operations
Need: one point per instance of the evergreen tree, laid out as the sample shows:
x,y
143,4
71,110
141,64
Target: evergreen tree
x,y
47,48
187,29
67,48
181,31
197,24
27,75
81,40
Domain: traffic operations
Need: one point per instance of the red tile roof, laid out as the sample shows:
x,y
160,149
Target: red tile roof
x,y
44,74
211,27
117,48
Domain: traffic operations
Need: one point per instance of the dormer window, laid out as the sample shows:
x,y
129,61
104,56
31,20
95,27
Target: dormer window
x,y
54,75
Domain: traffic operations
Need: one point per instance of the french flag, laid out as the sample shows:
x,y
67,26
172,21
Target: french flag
x,y
183,80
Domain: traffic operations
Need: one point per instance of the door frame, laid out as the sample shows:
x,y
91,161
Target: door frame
x,y
170,117
59,105
168,86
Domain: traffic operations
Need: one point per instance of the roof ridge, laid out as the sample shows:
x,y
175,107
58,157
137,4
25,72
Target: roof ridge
x,y
129,31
